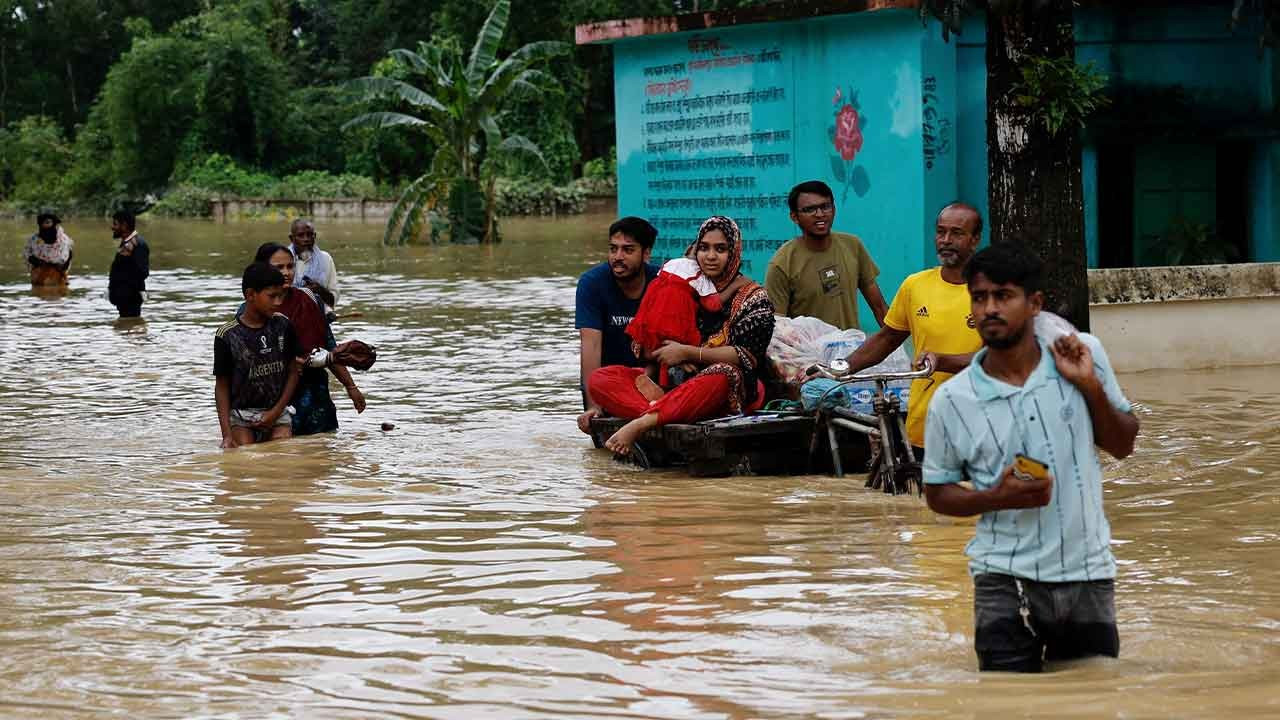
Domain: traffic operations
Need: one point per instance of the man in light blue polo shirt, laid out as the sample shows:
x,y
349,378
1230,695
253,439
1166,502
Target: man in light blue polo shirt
x,y
1044,576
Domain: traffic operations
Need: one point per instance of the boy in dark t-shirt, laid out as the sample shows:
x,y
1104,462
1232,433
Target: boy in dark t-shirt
x,y
256,363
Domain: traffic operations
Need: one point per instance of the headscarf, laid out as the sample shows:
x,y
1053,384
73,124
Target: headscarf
x,y
746,323
57,252
732,234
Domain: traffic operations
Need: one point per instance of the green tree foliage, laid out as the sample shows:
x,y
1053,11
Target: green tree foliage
x,y
210,85
54,56
145,91
1060,93
459,107
34,158
148,106
240,87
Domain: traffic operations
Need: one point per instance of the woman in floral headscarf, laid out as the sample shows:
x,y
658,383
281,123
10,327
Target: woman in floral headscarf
x,y
733,345
49,251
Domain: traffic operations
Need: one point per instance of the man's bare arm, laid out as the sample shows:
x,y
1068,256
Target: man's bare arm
x,y
875,299
945,363
349,383
222,401
1113,431
877,348
590,344
1012,493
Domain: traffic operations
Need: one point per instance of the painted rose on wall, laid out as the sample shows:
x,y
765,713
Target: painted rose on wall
x,y
845,134
848,134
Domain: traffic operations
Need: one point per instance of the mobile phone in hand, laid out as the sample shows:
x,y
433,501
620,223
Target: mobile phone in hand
x,y
1029,468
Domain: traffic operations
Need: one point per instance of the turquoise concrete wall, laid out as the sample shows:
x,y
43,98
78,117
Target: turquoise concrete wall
x,y
727,121
1190,47
1264,240
1089,190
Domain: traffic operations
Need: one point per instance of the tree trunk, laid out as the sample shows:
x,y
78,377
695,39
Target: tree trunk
x,y
71,85
1034,187
4,82
490,225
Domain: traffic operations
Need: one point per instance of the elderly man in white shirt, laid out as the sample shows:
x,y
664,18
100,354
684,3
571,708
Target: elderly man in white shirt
x,y
314,268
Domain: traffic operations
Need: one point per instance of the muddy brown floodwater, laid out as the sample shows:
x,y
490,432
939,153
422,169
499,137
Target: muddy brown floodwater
x,y
482,561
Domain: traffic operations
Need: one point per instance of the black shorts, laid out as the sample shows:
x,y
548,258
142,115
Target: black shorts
x,y
129,306
1064,621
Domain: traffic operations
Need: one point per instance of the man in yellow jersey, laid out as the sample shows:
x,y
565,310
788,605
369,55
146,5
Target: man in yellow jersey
x,y
932,307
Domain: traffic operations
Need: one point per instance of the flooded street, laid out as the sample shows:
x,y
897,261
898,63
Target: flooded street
x,y
481,560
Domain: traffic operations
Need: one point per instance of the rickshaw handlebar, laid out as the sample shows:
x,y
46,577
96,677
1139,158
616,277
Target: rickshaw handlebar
x,y
839,370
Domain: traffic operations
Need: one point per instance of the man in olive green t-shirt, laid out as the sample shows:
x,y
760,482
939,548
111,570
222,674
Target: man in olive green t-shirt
x,y
820,273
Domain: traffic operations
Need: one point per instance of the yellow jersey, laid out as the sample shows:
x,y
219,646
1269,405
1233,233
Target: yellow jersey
x,y
936,313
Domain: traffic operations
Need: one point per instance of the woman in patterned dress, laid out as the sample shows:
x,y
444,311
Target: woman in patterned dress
x,y
733,347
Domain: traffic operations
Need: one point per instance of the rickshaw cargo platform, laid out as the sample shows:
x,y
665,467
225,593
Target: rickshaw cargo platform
x,y
787,442
759,444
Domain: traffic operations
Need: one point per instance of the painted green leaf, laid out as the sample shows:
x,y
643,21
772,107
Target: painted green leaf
x,y
861,181
831,133
837,168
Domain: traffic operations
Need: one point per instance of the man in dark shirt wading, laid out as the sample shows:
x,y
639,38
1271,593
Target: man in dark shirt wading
x,y
129,268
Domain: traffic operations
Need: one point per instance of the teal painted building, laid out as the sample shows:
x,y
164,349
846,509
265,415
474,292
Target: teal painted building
x,y
724,113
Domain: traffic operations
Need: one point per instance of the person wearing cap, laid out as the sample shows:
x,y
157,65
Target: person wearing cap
x,y
49,252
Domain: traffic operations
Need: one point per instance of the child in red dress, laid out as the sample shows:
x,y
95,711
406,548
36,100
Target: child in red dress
x,y
669,309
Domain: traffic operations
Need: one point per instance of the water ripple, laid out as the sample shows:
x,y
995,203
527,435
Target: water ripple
x,y
480,560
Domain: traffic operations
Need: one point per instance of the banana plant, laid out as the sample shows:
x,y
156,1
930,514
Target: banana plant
x,y
459,106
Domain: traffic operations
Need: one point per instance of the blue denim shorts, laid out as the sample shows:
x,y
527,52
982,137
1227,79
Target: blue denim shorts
x,y
1019,623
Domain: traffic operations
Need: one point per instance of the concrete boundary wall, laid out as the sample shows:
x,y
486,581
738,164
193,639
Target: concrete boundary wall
x,y
325,208
340,208
1187,317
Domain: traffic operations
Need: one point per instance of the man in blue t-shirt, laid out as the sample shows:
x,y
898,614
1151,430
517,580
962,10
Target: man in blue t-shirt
x,y
608,297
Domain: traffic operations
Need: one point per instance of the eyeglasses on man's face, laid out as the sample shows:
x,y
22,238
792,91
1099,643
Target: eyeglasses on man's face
x,y
825,208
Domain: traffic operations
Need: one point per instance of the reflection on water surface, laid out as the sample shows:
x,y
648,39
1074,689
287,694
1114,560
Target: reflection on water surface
x,y
482,561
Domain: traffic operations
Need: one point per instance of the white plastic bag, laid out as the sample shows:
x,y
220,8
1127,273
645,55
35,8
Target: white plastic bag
x,y
793,347
839,344
1050,326
798,343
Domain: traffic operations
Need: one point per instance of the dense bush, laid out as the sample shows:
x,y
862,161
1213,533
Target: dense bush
x,y
531,197
591,186
221,174
219,177
602,168
34,157
185,201
320,184
600,175
91,180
